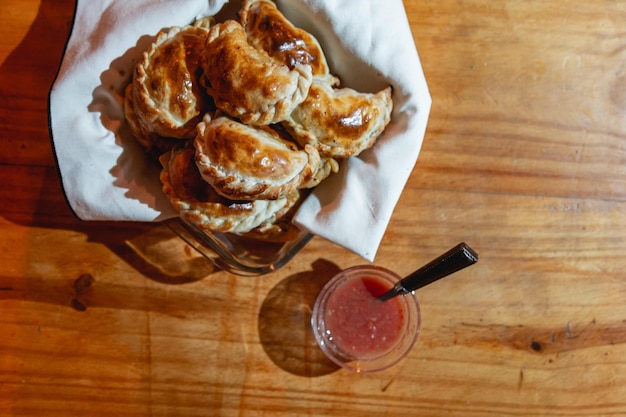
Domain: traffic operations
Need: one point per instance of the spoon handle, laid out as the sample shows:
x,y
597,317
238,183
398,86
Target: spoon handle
x,y
459,257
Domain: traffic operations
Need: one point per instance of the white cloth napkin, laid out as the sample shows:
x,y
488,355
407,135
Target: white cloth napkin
x,y
107,176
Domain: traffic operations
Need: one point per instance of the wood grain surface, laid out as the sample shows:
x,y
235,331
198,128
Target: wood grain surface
x,y
524,158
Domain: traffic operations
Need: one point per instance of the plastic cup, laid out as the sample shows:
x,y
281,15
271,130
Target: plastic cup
x,y
356,330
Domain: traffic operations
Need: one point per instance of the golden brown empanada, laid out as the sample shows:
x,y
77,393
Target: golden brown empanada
x,y
165,98
247,83
268,29
339,122
197,202
245,163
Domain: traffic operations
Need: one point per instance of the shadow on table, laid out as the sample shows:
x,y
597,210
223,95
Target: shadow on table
x,y
285,322
32,185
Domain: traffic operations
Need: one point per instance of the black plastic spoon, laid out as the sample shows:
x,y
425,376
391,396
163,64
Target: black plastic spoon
x,y
459,257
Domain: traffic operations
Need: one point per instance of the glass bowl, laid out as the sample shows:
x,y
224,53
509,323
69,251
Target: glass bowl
x,y
238,254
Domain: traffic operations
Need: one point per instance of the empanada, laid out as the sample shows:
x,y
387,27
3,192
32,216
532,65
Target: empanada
x,y
326,167
247,83
165,98
197,202
280,228
268,29
246,163
339,122
154,144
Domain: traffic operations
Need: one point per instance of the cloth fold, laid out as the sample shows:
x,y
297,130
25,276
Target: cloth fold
x,y
107,176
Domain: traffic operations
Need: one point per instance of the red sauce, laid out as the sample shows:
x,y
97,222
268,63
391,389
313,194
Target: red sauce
x,y
358,322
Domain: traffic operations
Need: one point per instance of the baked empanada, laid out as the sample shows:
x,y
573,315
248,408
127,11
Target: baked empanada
x,y
339,122
246,163
154,144
268,29
247,83
165,98
197,202
279,228
326,167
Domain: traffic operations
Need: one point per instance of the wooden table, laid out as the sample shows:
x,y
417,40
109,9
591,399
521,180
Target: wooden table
x,y
524,158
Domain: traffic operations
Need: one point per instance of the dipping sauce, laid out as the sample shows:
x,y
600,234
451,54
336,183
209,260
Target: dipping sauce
x,y
356,330
358,322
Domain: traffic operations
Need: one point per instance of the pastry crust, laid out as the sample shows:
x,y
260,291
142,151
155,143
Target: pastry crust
x,y
269,30
197,202
246,163
340,122
280,228
165,98
154,144
326,167
247,83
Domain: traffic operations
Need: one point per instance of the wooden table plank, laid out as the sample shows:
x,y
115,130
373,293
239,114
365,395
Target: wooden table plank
x,y
523,159
34,34
527,97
